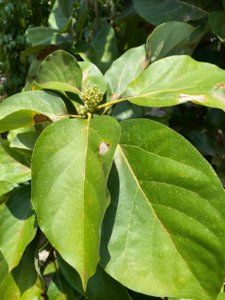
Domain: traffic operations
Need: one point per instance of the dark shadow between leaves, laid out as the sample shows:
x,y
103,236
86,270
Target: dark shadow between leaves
x,y
19,203
109,219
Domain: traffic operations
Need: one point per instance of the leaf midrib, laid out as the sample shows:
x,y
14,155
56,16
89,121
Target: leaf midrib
x,y
156,217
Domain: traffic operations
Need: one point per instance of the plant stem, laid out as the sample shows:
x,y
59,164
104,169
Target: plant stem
x,y
110,103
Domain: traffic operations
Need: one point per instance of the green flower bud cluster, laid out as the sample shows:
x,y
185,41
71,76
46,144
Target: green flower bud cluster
x,y
92,97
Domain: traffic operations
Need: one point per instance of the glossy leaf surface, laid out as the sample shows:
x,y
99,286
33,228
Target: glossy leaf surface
x,y
164,231
58,68
157,12
178,79
70,164
29,108
12,172
124,70
169,39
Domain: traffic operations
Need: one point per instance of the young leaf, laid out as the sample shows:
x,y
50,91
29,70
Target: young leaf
x,y
158,12
17,226
28,108
164,231
12,172
70,165
169,39
124,70
60,71
178,79
92,76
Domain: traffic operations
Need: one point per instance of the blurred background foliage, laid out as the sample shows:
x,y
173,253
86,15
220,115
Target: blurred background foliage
x,y
101,31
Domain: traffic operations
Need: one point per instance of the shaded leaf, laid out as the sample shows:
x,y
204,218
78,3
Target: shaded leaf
x,y
103,49
178,79
21,279
70,170
124,70
42,36
12,172
169,39
60,15
60,71
17,226
36,291
59,289
27,108
164,231
158,12
217,23
100,286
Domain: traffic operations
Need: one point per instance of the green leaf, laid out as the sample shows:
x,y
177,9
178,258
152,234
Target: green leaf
x,y
70,165
34,292
59,289
92,76
60,71
21,279
158,12
178,79
17,226
28,108
8,288
61,12
169,39
164,231
217,23
23,139
124,70
42,36
12,171
100,286
103,49
25,274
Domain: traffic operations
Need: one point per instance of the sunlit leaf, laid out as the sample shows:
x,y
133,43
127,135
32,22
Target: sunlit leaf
x,y
164,231
178,79
70,165
28,108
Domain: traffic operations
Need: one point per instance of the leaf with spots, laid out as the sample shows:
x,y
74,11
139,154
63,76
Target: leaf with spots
x,y
177,79
29,108
69,194
164,231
